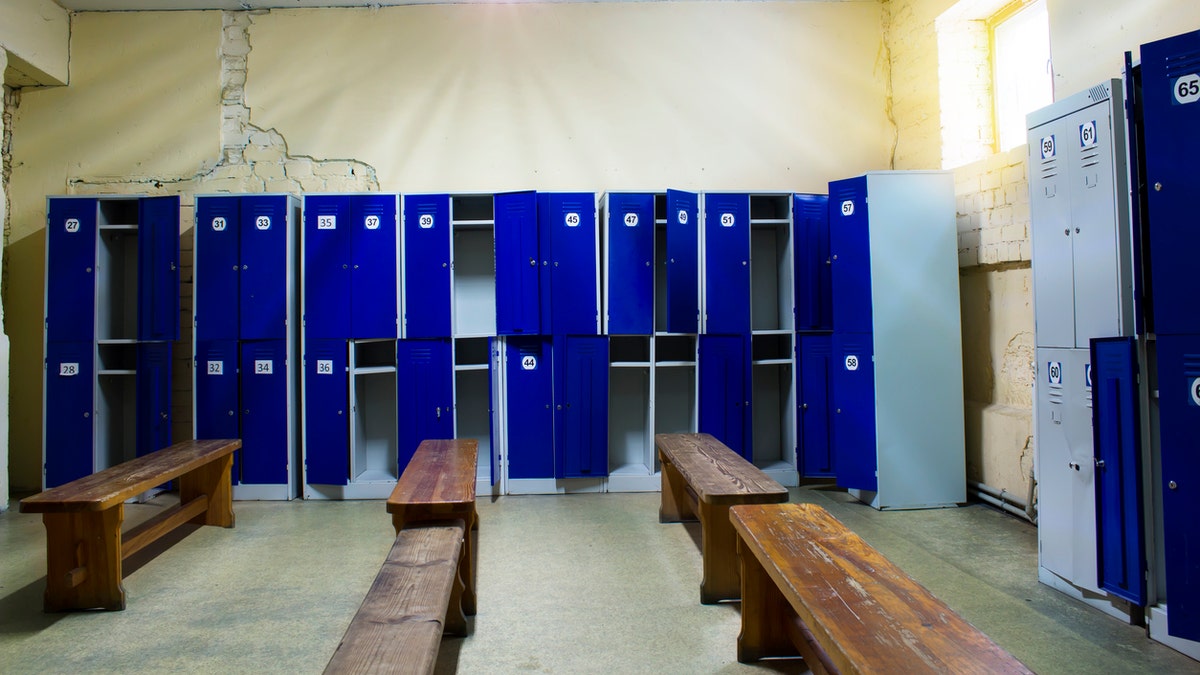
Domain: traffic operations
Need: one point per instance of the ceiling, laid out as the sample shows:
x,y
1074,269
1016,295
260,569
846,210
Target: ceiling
x,y
132,5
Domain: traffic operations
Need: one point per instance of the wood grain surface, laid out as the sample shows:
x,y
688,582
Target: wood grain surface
x,y
715,472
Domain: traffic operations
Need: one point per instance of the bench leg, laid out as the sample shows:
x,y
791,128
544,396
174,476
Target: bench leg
x,y
83,560
212,479
718,548
675,507
456,617
765,613
470,564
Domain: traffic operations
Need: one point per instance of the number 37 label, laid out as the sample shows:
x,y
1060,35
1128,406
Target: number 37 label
x,y
1187,89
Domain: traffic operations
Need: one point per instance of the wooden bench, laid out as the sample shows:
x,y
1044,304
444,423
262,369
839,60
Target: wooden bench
x,y
439,484
811,587
399,627
84,543
702,478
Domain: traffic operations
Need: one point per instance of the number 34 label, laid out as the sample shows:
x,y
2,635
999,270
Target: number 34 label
x,y
1187,89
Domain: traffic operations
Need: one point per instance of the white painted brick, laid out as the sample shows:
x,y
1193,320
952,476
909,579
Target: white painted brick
x,y
1013,233
260,153
331,168
269,171
231,171
282,186
299,168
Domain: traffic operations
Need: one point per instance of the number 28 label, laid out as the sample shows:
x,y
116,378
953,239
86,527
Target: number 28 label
x,y
1187,89
68,369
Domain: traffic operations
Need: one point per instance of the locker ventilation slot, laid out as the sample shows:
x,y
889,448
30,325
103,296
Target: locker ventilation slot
x,y
1182,64
1099,93
1191,365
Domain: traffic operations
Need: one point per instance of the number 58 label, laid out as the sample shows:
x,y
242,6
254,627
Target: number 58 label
x,y
1187,89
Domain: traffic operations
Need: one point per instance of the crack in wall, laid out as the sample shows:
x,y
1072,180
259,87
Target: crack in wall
x,y
12,99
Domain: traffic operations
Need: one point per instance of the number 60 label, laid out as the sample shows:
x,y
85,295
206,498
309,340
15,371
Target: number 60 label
x,y
1187,89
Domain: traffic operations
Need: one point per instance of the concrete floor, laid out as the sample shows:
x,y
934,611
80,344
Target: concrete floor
x,y
567,584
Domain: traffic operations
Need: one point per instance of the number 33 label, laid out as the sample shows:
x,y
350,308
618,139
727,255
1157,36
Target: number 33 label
x,y
1187,89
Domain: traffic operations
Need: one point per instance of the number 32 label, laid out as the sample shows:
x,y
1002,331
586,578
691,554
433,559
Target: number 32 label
x,y
1187,89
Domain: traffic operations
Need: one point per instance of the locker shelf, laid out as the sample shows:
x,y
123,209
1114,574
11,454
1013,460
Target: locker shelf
x,y
120,227
630,364
773,362
374,476
755,222
117,371
674,364
374,370
470,367
634,469
473,224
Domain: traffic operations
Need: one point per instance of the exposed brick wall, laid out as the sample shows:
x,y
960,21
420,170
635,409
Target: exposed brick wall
x,y
993,210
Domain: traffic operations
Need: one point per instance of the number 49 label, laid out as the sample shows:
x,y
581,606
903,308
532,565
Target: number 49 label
x,y
1187,89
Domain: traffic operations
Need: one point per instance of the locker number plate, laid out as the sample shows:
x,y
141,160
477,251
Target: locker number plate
x,y
68,369
324,366
371,222
327,222
264,367
1054,372
216,367
1087,375
1048,147
72,225
263,222
218,224
529,363
631,220
425,222
848,207
1087,134
1195,391
1187,89
727,220
572,219
682,217
852,362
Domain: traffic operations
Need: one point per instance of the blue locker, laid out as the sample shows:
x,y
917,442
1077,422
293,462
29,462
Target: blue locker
x,y
814,285
581,406
70,402
326,413
1179,418
529,373
216,393
70,279
263,305
327,256
217,268
517,264
854,411
425,393
153,389
264,412
813,379
630,273
158,268
1116,433
427,266
683,262
726,263
850,254
570,283
373,267
724,366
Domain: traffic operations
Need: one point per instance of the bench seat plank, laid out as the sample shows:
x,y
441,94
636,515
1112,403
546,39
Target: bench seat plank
x,y
865,613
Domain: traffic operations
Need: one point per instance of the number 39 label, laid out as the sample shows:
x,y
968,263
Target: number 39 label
x,y
1187,89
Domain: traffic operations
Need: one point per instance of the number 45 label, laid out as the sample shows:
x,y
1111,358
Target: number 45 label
x,y
1187,89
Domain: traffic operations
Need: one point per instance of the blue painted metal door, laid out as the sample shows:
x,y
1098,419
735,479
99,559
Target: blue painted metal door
x,y
326,413
581,406
70,405
569,218
216,265
530,393
425,393
158,268
327,255
517,263
854,411
683,262
1120,540
264,412
630,229
264,282
724,363
427,266
814,301
217,406
1179,418
70,275
850,254
373,267
153,392
813,412
726,263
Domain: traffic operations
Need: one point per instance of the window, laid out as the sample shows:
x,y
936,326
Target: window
x,y
1023,80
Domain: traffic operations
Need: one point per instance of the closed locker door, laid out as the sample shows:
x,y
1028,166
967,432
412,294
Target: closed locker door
x,y
327,300
216,393
630,274
517,264
574,279
1051,236
812,386
158,268
427,275
853,371
724,363
581,406
1120,544
425,394
726,263
373,267
1179,418
814,301
153,397
530,395
70,407
216,267
264,282
850,255
683,262
264,412
70,270
326,413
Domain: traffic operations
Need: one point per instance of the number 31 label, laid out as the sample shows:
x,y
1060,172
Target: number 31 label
x,y
1187,89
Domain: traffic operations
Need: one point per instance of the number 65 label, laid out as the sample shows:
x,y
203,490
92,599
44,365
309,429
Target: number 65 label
x,y
1187,89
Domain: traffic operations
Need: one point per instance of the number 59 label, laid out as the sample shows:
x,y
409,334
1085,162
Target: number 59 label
x,y
1187,89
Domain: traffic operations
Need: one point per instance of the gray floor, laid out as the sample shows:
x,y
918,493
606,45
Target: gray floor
x,y
567,584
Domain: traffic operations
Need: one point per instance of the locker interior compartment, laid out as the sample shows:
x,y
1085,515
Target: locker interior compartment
x,y
474,266
630,445
116,419
116,358
773,408
117,282
472,413
771,273
675,350
374,439
771,348
118,213
675,399
629,350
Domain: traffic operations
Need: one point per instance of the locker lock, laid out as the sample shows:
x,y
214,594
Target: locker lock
x,y
1172,485
804,406
1099,464
231,413
163,415
839,411
89,270
1158,188
1073,465
532,262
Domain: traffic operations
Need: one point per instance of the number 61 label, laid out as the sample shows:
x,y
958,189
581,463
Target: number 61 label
x,y
1187,89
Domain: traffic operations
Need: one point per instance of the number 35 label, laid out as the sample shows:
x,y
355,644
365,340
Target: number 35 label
x,y
1187,89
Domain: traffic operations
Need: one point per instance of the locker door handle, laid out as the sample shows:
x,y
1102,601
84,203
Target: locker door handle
x,y
839,411
1099,464
532,262
245,267
172,266
804,406
356,267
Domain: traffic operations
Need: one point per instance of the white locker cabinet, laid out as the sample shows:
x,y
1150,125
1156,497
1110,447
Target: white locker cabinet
x,y
631,453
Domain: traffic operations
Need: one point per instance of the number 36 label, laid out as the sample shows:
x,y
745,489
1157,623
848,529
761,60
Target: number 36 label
x,y
1187,89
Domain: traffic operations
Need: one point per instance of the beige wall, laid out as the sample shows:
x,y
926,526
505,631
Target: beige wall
x,y
34,33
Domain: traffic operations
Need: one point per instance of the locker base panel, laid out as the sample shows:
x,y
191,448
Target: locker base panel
x,y
251,493
871,498
358,490
484,486
554,486
1156,617
1112,606
782,472
631,482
